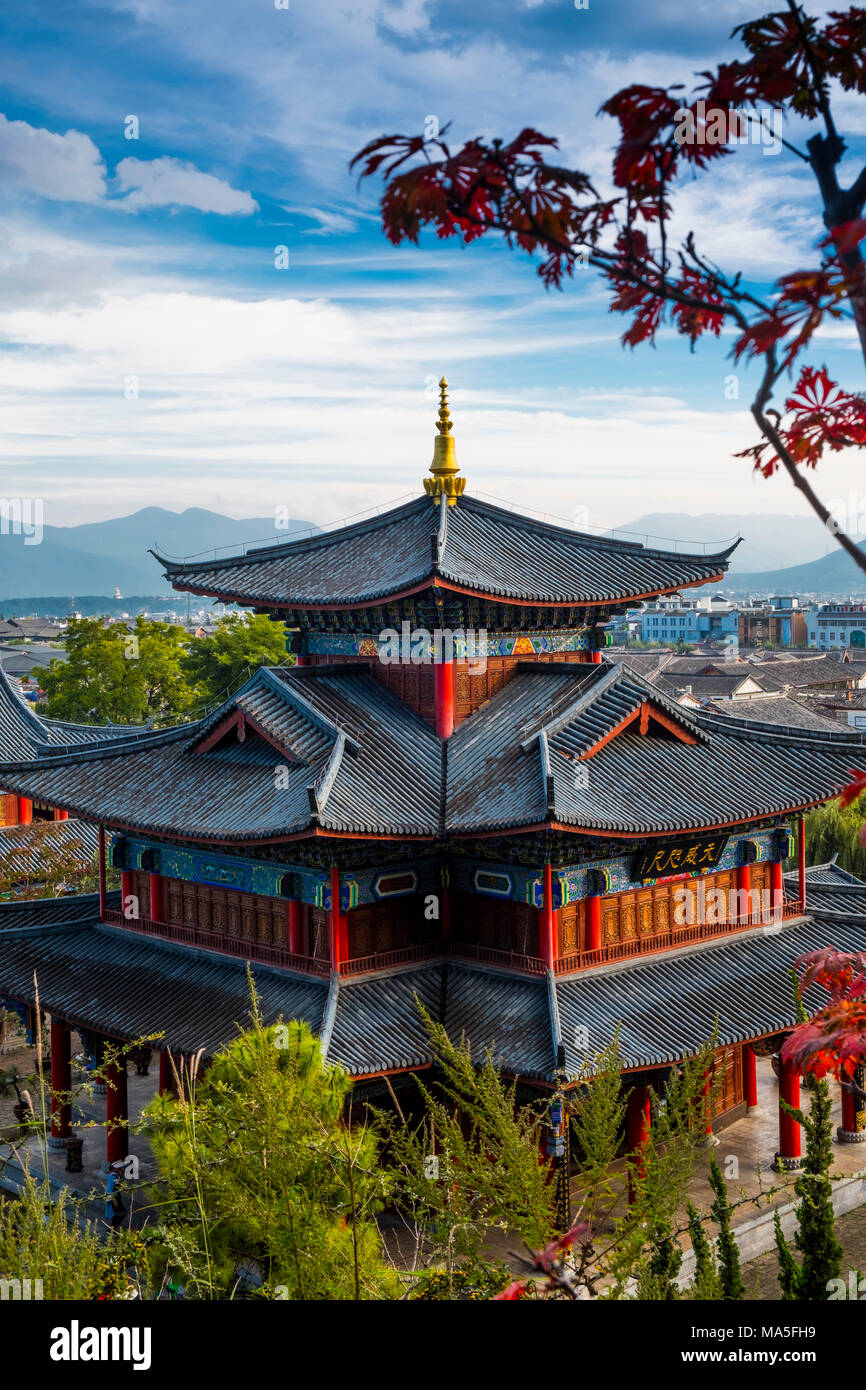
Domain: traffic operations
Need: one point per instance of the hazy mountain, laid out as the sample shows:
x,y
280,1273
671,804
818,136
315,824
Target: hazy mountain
x,y
835,576
98,556
770,542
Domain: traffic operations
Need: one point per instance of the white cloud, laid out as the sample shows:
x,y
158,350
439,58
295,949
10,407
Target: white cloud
x,y
65,168
167,182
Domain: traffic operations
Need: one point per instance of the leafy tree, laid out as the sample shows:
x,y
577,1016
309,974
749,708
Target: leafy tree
x,y
645,1248
47,865
835,830
44,1239
117,674
469,1164
730,1275
216,664
258,1164
791,63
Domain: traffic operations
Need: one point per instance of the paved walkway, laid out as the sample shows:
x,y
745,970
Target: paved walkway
x,y
745,1153
89,1123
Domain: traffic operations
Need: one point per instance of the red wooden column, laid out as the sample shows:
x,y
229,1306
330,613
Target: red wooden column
x,y
157,898
637,1126
742,884
444,697
445,912
296,927
801,858
166,1076
596,658
116,1113
547,943
59,814
127,889
777,889
25,810
789,1130
61,1084
339,925
750,1078
593,923
101,874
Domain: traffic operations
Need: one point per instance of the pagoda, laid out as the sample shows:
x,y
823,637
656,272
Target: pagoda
x,y
446,795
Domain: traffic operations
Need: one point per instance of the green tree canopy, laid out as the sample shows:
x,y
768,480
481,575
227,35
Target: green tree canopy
x,y
216,664
117,673
154,670
834,829
261,1165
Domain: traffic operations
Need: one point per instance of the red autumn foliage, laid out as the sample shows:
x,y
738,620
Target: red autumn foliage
x,y
833,1042
822,416
550,1261
556,214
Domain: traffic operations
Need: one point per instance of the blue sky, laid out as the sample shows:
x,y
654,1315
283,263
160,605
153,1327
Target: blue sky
x,y
148,265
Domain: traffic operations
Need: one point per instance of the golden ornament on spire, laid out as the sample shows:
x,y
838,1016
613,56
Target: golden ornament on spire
x,y
444,467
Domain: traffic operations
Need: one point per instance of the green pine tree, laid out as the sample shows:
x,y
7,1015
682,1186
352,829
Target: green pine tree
x,y
807,1281
730,1274
706,1285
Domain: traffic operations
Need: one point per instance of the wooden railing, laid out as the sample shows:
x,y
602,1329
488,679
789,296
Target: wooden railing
x,y
486,955
430,950
217,941
675,936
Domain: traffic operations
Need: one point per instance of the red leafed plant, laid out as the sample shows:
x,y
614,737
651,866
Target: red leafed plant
x,y
557,214
834,1040
553,1261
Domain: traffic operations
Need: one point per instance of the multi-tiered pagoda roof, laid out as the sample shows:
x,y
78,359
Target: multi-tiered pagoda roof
x,y
353,760
498,833
474,549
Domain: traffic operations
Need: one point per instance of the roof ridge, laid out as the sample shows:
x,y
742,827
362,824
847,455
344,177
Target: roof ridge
x,y
304,546
599,542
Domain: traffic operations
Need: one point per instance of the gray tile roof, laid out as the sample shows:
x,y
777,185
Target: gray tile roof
x,y
500,773
830,891
486,548
777,709
378,1026
666,1006
340,752
23,846
131,986
43,912
24,734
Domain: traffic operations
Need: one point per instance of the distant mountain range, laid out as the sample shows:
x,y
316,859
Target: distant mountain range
x,y
99,556
835,576
770,542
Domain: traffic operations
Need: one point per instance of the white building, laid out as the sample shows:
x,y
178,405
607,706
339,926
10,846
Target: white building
x,y
836,625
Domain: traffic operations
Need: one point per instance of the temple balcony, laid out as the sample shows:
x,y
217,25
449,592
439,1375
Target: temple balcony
x,y
652,942
208,939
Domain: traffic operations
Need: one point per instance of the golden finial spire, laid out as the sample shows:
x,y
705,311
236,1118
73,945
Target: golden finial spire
x,y
444,467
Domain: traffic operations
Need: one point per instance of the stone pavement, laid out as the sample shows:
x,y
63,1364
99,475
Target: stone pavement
x,y
88,1122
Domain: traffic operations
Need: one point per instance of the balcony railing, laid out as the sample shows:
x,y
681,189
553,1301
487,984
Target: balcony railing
x,y
675,936
217,941
487,955
431,950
